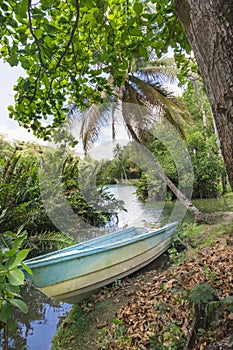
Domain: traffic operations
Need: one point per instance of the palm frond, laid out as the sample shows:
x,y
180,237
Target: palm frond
x,y
91,122
142,102
134,112
49,240
169,108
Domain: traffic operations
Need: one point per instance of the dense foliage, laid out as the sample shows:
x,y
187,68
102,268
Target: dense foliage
x,y
22,204
201,140
22,210
203,146
207,165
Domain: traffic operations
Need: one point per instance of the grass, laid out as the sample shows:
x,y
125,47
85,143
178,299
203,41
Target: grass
x,y
69,335
201,235
77,331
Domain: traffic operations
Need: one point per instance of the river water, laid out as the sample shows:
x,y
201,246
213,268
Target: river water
x,y
36,329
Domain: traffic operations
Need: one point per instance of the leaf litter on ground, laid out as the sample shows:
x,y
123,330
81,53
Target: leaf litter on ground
x,y
157,305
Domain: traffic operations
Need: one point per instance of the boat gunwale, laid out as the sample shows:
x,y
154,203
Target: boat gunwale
x,y
68,254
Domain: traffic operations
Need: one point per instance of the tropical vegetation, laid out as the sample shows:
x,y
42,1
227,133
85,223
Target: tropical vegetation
x,y
11,277
22,203
65,47
95,61
201,141
26,228
142,102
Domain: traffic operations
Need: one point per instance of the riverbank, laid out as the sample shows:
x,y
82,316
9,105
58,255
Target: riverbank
x,y
183,302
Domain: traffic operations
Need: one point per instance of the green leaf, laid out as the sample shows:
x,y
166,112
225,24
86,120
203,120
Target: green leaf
x,y
160,19
21,9
135,31
2,279
13,60
143,51
50,28
19,240
3,269
20,304
21,255
16,277
138,8
46,4
12,290
22,29
38,32
5,311
26,268
25,65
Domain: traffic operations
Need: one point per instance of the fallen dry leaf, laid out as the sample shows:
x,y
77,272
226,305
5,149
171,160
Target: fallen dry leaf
x,y
161,301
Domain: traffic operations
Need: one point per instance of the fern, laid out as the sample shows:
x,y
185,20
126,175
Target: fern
x,y
50,240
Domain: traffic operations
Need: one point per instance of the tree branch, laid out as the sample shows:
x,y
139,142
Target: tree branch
x,y
35,87
71,35
32,32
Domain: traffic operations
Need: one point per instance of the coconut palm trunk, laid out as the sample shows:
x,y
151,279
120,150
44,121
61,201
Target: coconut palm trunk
x,y
198,215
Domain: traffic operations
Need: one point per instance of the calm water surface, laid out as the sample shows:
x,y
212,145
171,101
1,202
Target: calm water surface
x,y
36,329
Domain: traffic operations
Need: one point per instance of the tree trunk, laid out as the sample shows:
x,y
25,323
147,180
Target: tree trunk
x,y
198,215
144,154
209,27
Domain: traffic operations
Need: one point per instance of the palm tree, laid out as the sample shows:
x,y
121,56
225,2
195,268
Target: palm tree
x,y
118,154
142,88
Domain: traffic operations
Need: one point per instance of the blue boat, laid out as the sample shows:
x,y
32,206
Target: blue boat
x,y
74,273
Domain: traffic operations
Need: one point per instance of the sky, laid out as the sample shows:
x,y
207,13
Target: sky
x,y
9,127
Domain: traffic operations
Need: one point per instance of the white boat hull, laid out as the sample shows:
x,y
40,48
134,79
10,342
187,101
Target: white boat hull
x,y
79,288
